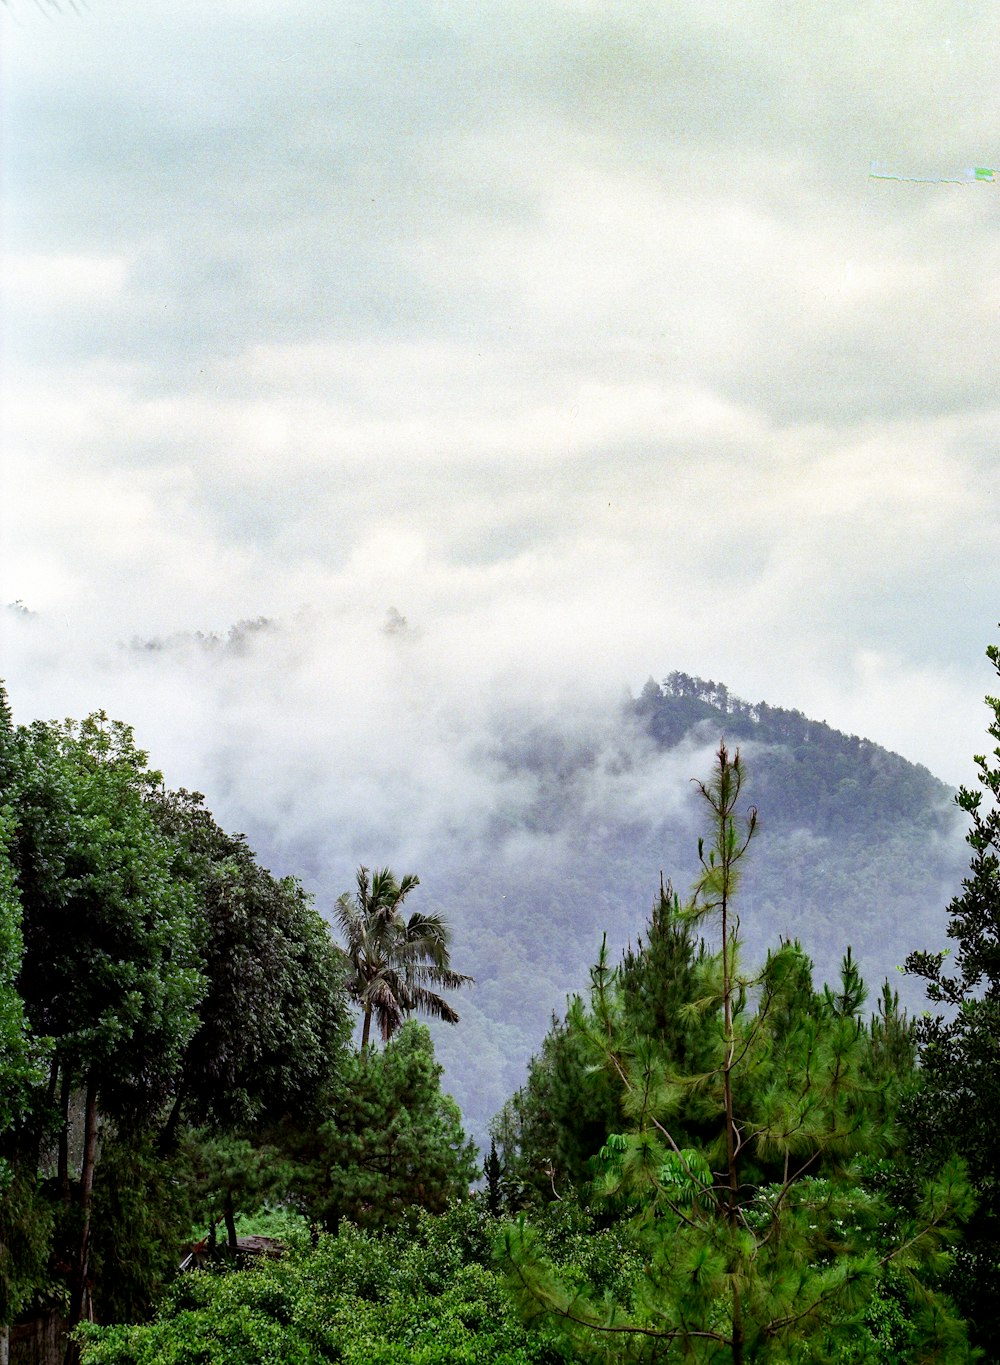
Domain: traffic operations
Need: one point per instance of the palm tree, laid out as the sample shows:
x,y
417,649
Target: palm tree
x,y
394,962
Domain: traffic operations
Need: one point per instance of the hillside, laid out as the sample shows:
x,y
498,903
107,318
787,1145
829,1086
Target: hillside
x,y
856,846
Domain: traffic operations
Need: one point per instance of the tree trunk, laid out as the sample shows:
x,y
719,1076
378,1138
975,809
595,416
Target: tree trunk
x,y
737,1325
78,1302
366,1029
229,1215
63,1157
168,1138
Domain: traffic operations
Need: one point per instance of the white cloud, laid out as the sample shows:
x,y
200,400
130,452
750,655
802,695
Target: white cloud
x,y
579,335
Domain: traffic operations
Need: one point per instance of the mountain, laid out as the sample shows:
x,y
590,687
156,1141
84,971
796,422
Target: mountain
x,y
855,846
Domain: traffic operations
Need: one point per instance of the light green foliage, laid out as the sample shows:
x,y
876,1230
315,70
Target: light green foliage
x,y
760,1239
392,1140
425,1295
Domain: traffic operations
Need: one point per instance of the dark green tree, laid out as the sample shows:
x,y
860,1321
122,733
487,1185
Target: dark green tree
x,y
274,1019
229,1176
109,965
956,1108
760,1240
20,1056
397,965
392,1140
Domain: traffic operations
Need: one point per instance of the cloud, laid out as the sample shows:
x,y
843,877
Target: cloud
x,y
577,335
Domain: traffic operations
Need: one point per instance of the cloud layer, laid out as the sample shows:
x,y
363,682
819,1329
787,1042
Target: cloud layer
x,y
577,335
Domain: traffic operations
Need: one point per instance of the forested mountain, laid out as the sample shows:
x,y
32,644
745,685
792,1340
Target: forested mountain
x,y
856,845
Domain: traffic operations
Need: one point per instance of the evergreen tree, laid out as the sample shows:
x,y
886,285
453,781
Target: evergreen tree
x,y
552,1128
957,1106
392,1142
760,1241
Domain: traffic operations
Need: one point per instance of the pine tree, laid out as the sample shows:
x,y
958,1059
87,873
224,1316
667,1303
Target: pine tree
x,y
760,1241
956,1109
552,1128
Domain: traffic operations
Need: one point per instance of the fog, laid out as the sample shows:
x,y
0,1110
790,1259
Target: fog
x,y
500,360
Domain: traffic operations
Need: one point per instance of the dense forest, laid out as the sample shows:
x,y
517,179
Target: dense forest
x,y
724,1149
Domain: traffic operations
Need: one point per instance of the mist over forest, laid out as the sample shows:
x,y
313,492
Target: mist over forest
x,y
538,809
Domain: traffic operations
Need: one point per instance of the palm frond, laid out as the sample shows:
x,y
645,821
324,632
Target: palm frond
x,y
394,962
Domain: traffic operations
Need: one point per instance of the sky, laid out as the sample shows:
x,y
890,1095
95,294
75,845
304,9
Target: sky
x,y
501,356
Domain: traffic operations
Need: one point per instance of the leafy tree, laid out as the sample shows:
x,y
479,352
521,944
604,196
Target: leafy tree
x,y
956,1108
170,979
760,1240
274,1020
108,970
394,962
392,1140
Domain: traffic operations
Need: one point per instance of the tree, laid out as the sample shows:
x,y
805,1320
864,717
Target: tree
x,y
152,974
20,1056
761,1241
392,1140
274,1019
108,970
552,1127
394,962
955,1110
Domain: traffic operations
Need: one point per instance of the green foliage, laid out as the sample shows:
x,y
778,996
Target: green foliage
x,y
274,1018
550,1130
20,1057
162,974
955,1110
109,969
392,1140
760,1239
426,1294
